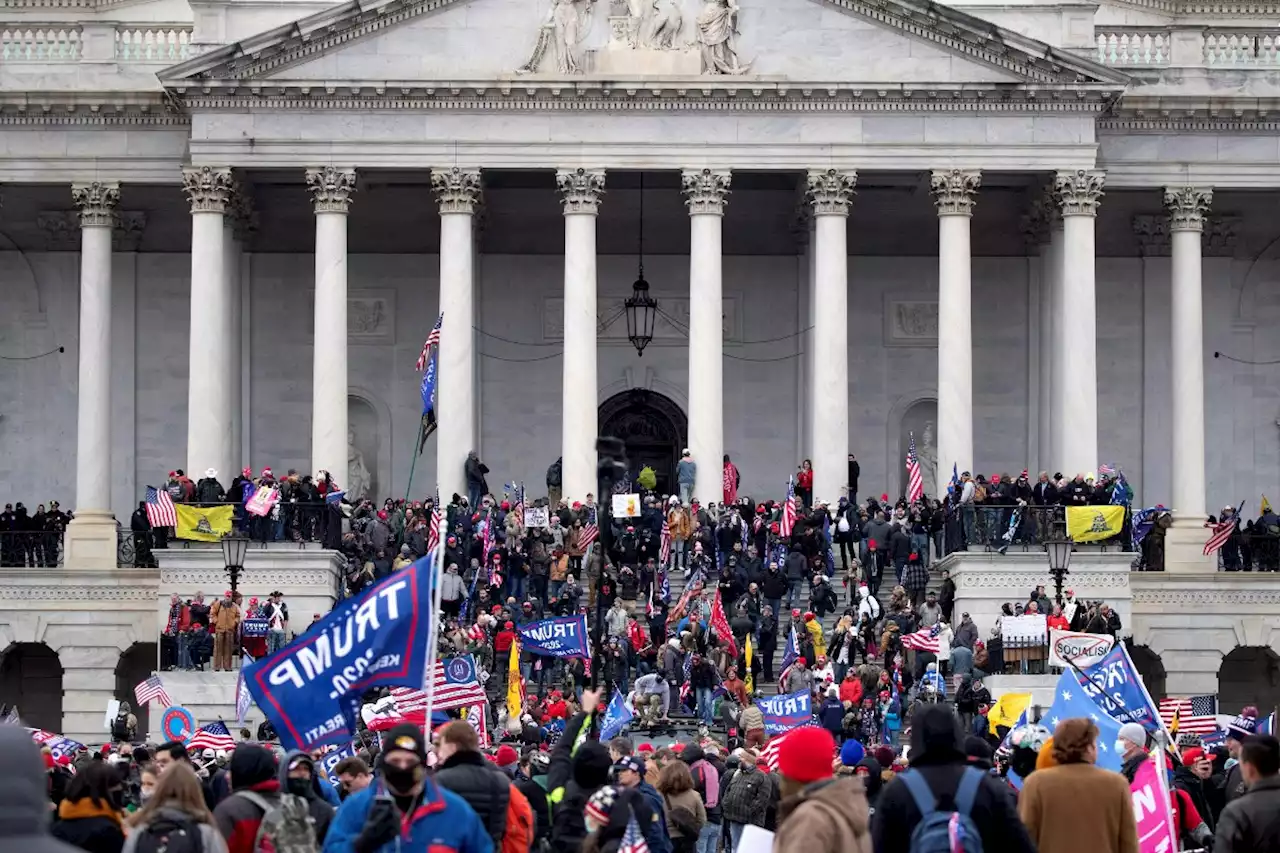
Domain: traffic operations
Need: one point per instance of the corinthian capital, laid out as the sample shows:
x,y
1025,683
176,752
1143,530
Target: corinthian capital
x,y
954,190
97,202
705,190
1188,207
1079,192
331,188
580,189
457,190
208,189
831,191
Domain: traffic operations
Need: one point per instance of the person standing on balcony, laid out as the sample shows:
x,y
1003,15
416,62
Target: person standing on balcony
x,y
225,617
277,622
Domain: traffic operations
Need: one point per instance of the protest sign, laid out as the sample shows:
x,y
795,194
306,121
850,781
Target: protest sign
x,y
310,689
1074,647
1114,685
784,713
563,637
61,749
262,501
626,506
254,628
537,516
1151,809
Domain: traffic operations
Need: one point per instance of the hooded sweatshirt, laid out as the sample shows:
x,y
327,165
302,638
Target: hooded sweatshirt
x,y
253,768
831,815
320,810
24,799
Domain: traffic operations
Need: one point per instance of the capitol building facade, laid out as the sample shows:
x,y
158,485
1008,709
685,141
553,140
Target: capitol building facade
x,y
1025,235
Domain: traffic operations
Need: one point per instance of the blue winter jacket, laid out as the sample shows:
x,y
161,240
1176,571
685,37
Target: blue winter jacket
x,y
442,823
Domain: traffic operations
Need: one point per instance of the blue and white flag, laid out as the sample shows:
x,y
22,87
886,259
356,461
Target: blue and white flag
x,y
243,699
1114,685
330,760
1267,725
784,713
1143,521
792,651
429,378
562,637
310,690
1121,493
616,717
334,497
1069,701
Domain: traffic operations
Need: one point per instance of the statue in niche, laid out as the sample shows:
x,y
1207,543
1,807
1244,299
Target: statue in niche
x,y
927,454
717,32
358,476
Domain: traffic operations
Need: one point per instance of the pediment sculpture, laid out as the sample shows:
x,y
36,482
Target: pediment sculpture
x,y
645,37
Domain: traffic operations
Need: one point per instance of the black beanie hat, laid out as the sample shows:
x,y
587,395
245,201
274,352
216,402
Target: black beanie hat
x,y
250,765
591,765
406,738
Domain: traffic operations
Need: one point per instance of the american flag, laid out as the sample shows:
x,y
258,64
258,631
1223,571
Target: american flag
x,y
1197,715
590,531
160,511
151,689
769,755
213,736
664,546
633,839
923,641
788,511
448,694
1105,470
433,530
1222,532
433,340
915,481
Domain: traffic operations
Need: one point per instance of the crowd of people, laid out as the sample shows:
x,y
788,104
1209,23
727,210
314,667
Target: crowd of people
x,y
1022,790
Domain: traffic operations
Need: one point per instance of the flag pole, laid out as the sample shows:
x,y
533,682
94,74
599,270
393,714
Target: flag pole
x,y
413,463
433,633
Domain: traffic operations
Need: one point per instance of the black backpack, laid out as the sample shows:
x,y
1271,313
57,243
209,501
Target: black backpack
x,y
168,834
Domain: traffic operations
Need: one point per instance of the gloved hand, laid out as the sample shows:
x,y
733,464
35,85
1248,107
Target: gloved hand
x,y
380,826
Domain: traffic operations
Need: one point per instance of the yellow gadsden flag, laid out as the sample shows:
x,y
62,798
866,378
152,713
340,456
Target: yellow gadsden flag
x,y
1007,710
203,523
515,687
749,681
1094,523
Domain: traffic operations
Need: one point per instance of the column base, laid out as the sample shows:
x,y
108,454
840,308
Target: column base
x,y
1184,548
90,541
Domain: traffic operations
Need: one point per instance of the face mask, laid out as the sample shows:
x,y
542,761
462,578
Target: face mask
x,y
1121,747
402,780
299,787
145,794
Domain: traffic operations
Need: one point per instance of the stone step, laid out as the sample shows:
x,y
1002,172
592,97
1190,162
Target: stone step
x,y
209,696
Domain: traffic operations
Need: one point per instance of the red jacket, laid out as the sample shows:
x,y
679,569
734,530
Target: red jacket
x,y
238,819
851,691
805,479
502,642
1059,622
557,710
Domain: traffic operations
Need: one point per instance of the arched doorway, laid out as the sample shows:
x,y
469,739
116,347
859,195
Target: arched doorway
x,y
134,667
1151,668
1250,675
653,428
31,678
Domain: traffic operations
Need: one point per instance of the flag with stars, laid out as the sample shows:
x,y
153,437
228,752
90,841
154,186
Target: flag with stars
x,y
1071,701
915,482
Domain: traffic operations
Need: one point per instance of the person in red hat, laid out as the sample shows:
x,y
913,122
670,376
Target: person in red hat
x,y
817,810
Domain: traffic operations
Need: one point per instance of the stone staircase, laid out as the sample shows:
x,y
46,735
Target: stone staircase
x,y
209,696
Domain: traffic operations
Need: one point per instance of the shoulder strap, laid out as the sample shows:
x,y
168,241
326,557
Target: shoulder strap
x,y
926,802
967,792
255,798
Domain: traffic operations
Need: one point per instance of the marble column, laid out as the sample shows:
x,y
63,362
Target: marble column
x,y
1075,403
831,192
580,193
1188,207
238,227
209,347
705,193
954,192
1057,346
458,192
91,539
331,189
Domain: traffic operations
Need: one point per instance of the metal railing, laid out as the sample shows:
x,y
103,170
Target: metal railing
x,y
32,549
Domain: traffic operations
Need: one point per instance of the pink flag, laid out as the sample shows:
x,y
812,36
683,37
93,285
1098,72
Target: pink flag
x,y
1152,808
262,501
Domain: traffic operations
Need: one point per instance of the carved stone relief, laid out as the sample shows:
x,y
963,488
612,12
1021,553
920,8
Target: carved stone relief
x,y
371,317
910,322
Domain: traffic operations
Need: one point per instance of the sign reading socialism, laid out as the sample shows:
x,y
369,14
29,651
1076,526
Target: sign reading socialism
x,y
1077,649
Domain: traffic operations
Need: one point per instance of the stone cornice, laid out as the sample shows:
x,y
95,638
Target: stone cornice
x,y
951,29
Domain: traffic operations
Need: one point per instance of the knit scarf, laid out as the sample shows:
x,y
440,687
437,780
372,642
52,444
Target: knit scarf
x,y
86,808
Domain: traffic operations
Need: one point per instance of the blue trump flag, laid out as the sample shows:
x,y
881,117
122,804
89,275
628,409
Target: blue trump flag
x,y
784,713
310,689
1070,700
1113,684
563,637
616,717
429,377
331,760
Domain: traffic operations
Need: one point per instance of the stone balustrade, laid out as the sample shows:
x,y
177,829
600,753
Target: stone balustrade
x,y
1188,47
163,44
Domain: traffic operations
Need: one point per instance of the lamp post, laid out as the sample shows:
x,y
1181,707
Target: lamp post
x,y
1058,552
234,547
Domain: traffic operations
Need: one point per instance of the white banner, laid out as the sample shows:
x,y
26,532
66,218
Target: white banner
x,y
536,516
626,506
1078,649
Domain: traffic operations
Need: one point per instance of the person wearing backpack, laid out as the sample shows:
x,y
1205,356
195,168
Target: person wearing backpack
x,y
406,810
174,819
915,809
818,811
257,817
298,777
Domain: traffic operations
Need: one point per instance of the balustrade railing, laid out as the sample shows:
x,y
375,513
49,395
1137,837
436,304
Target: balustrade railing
x,y
1241,49
1136,46
165,44
40,43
